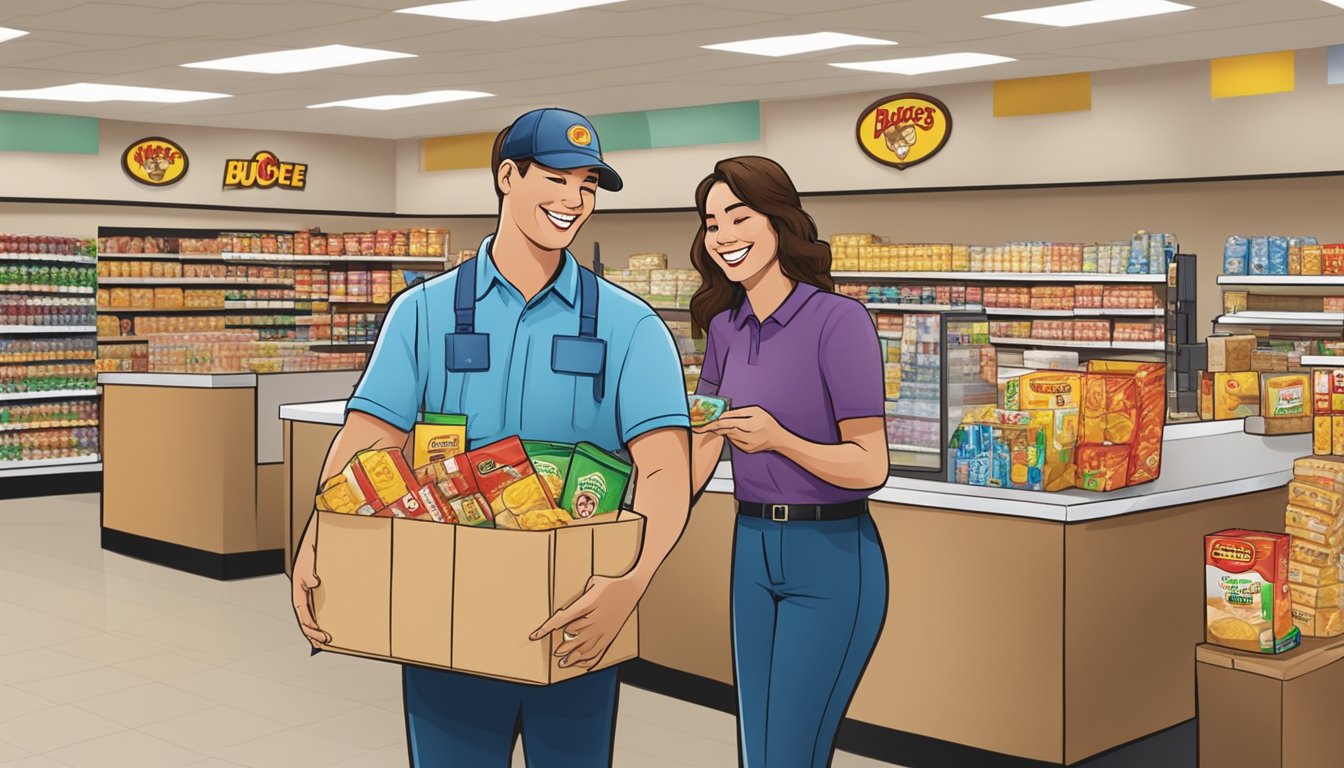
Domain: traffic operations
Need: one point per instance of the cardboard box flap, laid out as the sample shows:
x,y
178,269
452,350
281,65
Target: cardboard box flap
x,y
1313,654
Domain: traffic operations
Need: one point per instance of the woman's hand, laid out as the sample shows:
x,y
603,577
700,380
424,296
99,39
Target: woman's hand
x,y
750,429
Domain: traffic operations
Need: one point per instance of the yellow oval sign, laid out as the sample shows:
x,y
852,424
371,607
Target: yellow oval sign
x,y
904,129
155,161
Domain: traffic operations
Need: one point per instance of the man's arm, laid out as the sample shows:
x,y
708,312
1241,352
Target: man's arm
x,y
361,432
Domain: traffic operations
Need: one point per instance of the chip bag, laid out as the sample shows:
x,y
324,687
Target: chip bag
x,y
506,478
551,462
596,483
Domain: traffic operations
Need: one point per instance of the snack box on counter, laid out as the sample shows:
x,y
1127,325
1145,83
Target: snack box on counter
x,y
454,564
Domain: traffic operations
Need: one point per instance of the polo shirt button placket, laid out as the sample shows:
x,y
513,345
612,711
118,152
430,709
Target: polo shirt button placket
x,y
754,350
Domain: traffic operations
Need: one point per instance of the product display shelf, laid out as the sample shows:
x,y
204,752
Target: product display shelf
x,y
389,261
87,463
228,307
898,307
1294,280
1146,346
195,281
1323,361
48,290
1272,319
48,258
47,329
48,395
25,427
1007,277
1076,312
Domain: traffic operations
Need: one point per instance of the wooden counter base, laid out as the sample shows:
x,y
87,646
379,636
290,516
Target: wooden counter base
x,y
239,565
1031,641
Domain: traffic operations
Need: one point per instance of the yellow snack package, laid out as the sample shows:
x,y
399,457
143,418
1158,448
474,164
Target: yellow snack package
x,y
440,436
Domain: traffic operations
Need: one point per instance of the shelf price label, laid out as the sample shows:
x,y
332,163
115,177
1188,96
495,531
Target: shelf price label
x,y
265,170
904,130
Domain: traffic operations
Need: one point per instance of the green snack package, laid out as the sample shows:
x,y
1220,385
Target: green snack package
x,y
551,462
595,484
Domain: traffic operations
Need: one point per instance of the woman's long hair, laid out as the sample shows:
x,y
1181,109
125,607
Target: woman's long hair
x,y
766,188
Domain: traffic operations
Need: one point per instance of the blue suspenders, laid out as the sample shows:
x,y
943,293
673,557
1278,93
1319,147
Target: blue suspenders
x,y
582,355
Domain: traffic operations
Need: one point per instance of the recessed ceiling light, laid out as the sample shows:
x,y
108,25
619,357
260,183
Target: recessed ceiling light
x,y
300,60
789,45
1090,12
501,10
404,100
920,65
1336,3
9,34
91,92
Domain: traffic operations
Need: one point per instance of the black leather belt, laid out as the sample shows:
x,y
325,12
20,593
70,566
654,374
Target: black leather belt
x,y
783,513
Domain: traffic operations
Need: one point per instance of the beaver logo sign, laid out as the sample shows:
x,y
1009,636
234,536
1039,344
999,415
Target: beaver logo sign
x,y
155,162
264,171
904,130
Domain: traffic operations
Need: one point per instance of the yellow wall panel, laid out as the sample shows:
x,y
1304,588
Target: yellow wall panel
x,y
1043,95
1252,75
452,153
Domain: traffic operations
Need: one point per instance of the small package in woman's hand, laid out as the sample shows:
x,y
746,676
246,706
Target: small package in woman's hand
x,y
705,408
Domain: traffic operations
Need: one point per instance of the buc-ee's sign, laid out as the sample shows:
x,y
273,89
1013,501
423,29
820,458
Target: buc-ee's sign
x,y
155,161
905,129
264,171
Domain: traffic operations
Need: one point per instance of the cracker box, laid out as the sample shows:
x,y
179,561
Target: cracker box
x,y
1247,596
1229,354
465,598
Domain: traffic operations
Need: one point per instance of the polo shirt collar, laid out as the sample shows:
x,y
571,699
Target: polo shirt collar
x,y
565,285
786,311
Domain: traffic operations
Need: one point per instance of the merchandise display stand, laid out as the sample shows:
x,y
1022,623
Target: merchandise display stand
x,y
197,478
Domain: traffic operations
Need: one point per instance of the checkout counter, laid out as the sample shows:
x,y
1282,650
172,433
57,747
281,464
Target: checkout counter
x,y
1023,628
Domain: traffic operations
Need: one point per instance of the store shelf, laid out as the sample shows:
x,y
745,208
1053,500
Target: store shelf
x,y
25,329
359,302
332,260
51,466
1328,361
912,448
48,290
1304,280
1154,346
154,257
52,395
339,343
1331,319
150,311
47,425
265,304
1076,312
48,258
917,308
892,335
194,281
1007,277
122,339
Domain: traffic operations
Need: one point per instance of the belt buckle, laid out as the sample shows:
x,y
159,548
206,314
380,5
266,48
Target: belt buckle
x,y
779,513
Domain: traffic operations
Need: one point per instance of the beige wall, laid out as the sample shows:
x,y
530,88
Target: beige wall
x,y
344,174
1145,123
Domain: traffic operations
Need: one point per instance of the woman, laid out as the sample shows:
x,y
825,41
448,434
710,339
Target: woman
x,y
803,369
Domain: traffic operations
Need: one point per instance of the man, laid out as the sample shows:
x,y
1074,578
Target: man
x,y
510,340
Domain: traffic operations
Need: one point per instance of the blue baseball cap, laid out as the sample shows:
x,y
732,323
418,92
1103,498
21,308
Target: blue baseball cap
x,y
559,139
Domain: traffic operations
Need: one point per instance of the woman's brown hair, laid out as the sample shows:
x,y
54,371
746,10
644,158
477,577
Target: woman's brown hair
x,y
767,189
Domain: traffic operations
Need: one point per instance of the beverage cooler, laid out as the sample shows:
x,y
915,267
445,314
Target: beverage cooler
x,y
938,364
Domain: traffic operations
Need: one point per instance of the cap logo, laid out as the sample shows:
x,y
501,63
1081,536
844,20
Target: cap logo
x,y
580,135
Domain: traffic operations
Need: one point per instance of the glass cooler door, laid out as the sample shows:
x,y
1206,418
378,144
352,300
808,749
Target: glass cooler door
x,y
972,371
912,346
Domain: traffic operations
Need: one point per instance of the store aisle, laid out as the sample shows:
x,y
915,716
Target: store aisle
x,y
106,661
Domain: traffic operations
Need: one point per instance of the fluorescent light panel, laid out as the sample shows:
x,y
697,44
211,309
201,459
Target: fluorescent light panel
x,y
95,92
501,10
404,100
1336,3
790,45
920,65
9,34
1090,12
300,60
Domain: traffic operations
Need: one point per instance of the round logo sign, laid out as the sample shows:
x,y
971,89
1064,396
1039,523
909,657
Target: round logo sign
x,y
579,134
155,162
905,129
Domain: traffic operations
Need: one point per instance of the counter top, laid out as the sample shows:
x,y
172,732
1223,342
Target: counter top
x,y
1200,461
197,380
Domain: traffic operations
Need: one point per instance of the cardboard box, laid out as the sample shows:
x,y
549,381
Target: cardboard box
x,y
1229,395
1246,594
1283,425
464,598
1260,711
1229,354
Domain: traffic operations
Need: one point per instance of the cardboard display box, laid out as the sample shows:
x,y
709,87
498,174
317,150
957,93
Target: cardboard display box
x,y
464,598
1229,354
1258,711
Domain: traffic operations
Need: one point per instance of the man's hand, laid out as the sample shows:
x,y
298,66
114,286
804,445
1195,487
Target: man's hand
x,y
304,581
750,429
592,621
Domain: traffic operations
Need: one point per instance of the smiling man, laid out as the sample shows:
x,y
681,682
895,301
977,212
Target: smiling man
x,y
526,342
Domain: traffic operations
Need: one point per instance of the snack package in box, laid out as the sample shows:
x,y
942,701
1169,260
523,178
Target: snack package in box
x,y
551,462
506,478
373,480
1247,597
595,483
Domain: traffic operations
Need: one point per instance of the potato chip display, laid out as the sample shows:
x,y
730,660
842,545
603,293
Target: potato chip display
x,y
1247,596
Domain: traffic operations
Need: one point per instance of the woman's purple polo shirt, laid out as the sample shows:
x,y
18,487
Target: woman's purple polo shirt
x,y
814,362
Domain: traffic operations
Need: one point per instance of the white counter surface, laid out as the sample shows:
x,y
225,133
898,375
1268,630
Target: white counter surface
x,y
198,380
1200,461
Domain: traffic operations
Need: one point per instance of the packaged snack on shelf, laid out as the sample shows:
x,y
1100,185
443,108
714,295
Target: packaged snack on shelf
x,y
1318,622
1305,494
1258,261
439,436
1285,394
1247,599
1038,390
1324,471
1313,258
1332,259
1277,256
1150,415
1228,353
1229,395
1313,575
595,482
1236,253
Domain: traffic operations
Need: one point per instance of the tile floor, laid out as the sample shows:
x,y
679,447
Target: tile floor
x,y
107,661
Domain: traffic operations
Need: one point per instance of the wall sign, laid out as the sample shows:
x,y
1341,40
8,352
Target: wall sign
x,y
155,162
904,130
264,171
